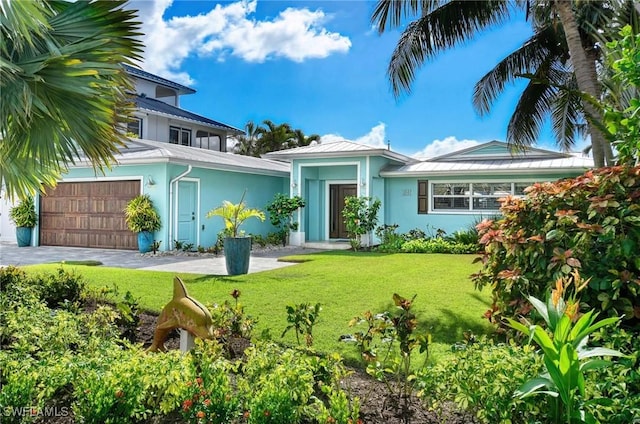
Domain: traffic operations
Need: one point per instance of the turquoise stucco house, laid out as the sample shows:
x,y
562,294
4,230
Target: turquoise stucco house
x,y
449,192
181,160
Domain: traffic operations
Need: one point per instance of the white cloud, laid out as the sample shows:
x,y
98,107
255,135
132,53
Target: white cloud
x,y
375,137
442,147
296,34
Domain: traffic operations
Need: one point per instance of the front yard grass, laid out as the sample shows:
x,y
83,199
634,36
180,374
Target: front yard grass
x,y
346,284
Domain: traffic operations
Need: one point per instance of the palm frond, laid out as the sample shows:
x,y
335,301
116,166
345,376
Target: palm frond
x,y
390,13
567,119
67,96
542,47
529,114
444,27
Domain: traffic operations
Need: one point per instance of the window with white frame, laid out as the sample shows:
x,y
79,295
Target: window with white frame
x,y
478,196
179,135
134,127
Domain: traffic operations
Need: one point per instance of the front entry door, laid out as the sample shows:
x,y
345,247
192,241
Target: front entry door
x,y
337,193
187,213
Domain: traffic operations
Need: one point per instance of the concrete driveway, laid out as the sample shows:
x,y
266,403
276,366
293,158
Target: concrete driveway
x,y
263,260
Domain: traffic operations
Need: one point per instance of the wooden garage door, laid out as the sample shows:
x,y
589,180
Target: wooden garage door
x,y
88,214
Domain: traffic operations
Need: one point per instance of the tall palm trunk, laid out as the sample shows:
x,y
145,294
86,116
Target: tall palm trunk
x,y
585,71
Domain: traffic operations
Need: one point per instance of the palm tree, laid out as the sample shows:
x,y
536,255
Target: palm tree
x,y
270,137
246,143
301,140
442,25
552,90
64,90
274,137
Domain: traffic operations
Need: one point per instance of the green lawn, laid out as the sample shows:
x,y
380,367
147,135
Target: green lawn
x,y
346,284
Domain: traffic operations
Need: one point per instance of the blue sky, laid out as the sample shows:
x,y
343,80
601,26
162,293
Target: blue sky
x,y
320,67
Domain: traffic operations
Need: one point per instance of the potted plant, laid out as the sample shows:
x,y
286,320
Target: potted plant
x,y
237,246
25,217
142,218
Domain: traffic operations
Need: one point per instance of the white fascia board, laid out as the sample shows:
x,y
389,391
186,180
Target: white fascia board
x,y
195,164
232,168
537,171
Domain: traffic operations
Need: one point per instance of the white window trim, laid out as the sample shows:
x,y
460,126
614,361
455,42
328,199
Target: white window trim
x,y
470,210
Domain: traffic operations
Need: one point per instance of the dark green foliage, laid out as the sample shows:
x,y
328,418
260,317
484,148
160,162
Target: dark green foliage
x,y
129,317
590,223
390,241
481,377
360,216
437,245
62,289
281,210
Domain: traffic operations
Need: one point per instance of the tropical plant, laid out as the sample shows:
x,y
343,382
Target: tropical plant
x,y
24,213
360,216
246,143
55,51
564,348
590,223
234,215
302,318
479,377
622,107
281,210
140,214
271,137
389,344
546,59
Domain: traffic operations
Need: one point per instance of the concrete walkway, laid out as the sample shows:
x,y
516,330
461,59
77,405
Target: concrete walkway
x,y
11,254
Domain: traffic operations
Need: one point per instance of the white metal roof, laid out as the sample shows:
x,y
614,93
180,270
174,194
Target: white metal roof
x,y
336,149
139,151
491,166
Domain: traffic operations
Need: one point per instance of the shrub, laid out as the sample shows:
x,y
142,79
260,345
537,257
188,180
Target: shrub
x,y
360,217
615,390
281,210
590,223
437,245
390,241
277,384
210,397
388,344
481,378
63,288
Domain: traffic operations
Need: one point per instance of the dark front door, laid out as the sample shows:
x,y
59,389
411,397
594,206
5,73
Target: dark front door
x,y
337,193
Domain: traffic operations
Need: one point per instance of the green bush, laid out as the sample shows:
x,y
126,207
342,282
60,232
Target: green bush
x,y
390,241
437,245
481,378
78,363
62,288
615,390
590,223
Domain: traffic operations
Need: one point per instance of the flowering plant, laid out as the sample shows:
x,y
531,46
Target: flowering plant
x,y
564,347
209,404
